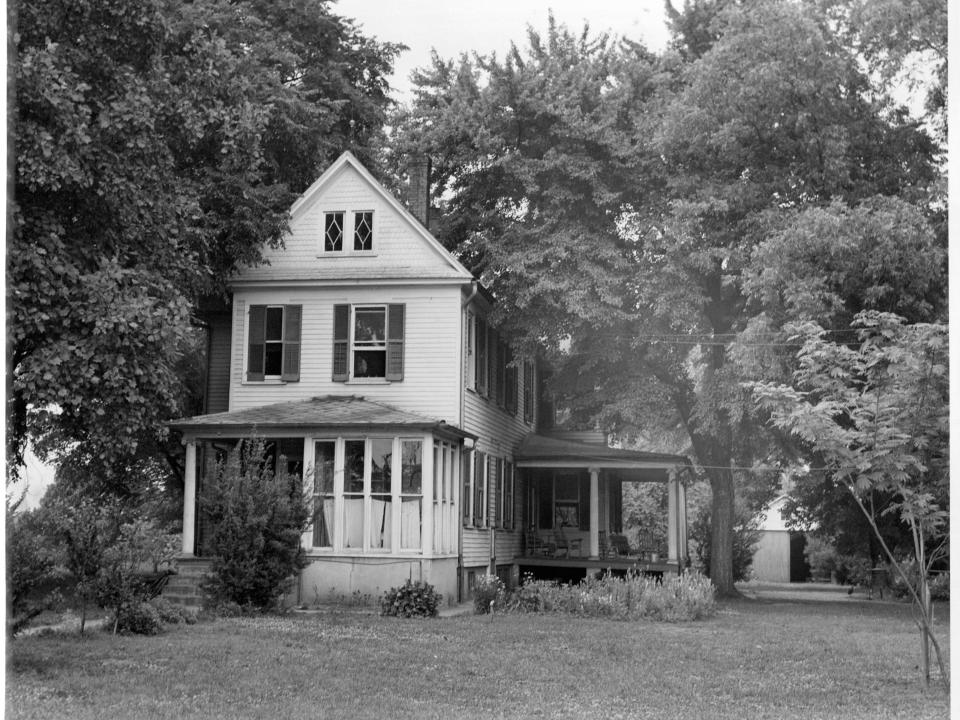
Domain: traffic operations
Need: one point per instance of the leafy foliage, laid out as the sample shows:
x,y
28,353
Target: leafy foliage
x,y
683,598
746,535
876,417
30,566
159,145
412,599
257,518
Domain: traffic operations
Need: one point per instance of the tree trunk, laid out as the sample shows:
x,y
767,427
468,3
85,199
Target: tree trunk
x,y
721,532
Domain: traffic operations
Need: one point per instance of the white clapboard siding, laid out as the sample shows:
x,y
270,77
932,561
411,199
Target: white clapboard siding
x,y
430,384
400,249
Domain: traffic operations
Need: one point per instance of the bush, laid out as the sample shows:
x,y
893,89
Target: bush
x,y
412,599
256,522
690,596
30,568
488,594
139,619
746,535
173,614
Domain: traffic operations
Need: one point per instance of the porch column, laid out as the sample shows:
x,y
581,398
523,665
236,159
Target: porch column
x,y
594,513
189,497
673,519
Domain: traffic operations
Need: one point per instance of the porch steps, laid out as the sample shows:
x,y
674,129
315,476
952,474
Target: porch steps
x,y
184,587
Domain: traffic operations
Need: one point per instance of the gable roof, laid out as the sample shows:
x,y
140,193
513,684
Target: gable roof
x,y
448,268
348,412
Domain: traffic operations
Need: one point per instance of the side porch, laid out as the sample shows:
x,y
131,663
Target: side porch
x,y
590,508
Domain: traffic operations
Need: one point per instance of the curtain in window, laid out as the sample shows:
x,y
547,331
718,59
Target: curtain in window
x,y
410,523
353,522
381,523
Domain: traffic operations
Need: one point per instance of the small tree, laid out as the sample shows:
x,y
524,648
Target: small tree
x,y
257,517
30,566
876,417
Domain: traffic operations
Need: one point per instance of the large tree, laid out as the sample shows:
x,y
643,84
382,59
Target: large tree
x,y
157,146
616,199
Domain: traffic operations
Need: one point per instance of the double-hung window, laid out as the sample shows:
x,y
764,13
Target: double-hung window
x,y
273,342
368,342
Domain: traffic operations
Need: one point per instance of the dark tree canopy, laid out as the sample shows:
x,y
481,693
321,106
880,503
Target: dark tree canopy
x,y
158,145
625,205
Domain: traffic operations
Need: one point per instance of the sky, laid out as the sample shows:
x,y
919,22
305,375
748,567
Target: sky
x,y
453,28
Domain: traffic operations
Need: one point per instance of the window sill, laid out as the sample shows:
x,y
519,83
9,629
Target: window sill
x,y
347,254
268,381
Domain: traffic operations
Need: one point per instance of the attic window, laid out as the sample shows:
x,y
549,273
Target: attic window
x,y
363,231
333,232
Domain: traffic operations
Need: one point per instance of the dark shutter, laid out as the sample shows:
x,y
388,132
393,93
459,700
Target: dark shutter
x,y
510,378
341,335
291,343
395,320
255,340
585,503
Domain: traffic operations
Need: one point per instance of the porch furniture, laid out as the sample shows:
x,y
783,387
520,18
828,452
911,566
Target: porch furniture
x,y
603,544
620,545
536,545
566,544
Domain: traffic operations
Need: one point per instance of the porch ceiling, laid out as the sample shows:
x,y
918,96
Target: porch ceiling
x,y
544,451
340,412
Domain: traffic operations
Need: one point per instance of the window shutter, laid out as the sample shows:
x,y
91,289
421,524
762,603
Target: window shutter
x,y
255,340
291,343
341,340
585,503
395,319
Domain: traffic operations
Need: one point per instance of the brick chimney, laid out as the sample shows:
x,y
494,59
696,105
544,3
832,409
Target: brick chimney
x,y
418,191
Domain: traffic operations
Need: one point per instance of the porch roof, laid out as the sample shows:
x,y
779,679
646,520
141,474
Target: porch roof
x,y
350,413
544,451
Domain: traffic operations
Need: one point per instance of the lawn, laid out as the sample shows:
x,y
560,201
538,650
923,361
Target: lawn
x,y
755,659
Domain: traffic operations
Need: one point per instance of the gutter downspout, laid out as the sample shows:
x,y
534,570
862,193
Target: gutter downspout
x,y
475,288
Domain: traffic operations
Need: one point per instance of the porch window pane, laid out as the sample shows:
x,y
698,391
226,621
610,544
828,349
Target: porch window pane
x,y
410,522
381,522
411,474
381,502
323,494
353,493
411,485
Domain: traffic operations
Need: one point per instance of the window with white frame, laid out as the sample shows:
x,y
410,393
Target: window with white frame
x,y
339,225
368,342
381,498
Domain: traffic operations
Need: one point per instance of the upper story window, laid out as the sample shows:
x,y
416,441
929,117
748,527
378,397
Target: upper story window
x,y
338,224
363,231
273,342
368,342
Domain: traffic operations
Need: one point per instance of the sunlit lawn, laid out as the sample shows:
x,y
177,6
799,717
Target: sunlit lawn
x,y
754,659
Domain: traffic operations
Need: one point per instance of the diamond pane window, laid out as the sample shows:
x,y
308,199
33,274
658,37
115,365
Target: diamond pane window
x,y
363,231
333,232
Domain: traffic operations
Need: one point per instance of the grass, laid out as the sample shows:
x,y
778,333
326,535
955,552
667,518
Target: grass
x,y
755,659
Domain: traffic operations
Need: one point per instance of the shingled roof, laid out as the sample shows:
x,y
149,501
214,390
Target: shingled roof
x,y
349,412
537,450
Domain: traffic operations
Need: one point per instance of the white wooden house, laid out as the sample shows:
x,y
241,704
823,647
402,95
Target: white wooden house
x,y
362,351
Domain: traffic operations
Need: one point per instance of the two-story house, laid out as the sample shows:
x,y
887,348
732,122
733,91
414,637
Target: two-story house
x,y
362,352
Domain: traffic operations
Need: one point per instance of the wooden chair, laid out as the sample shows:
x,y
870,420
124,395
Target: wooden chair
x,y
567,544
536,545
603,543
620,545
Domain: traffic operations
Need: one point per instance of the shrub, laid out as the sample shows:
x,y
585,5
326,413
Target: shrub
x,y
690,596
139,619
412,599
746,535
489,593
173,614
30,567
256,522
